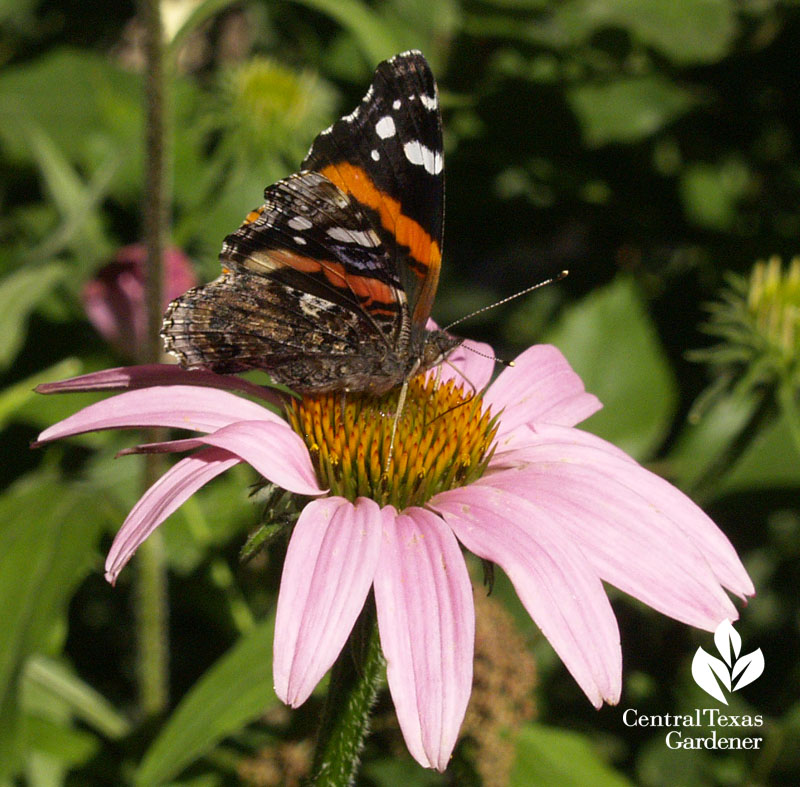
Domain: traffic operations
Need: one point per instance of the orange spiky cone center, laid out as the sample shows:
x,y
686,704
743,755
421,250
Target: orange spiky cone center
x,y
443,439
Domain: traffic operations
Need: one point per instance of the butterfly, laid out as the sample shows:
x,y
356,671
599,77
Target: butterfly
x,y
329,285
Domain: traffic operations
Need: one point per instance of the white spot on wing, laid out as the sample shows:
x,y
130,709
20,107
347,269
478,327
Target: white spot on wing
x,y
422,156
385,128
362,238
311,306
352,116
396,103
375,155
299,240
299,223
429,102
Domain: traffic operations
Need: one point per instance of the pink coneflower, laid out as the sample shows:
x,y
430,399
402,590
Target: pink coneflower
x,y
505,474
114,298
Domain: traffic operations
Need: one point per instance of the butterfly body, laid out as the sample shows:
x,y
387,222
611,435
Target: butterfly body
x,y
328,286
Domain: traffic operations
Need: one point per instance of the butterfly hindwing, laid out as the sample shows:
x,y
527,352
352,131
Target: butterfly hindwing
x,y
243,321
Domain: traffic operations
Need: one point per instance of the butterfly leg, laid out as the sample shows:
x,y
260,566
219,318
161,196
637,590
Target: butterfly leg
x,y
401,402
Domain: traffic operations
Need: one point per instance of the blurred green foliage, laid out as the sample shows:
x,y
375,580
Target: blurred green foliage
x,y
648,146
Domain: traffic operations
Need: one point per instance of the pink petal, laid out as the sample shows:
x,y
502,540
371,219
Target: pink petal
x,y
468,363
329,568
127,378
511,454
179,406
427,624
668,574
472,364
643,534
557,585
164,497
274,450
165,447
107,311
540,388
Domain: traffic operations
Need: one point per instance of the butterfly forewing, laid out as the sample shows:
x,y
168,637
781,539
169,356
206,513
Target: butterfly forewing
x,y
311,236
388,154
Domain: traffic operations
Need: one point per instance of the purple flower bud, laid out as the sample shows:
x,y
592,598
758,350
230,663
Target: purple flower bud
x,y
114,299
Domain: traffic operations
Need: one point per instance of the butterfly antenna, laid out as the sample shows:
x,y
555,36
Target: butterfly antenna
x,y
519,294
494,358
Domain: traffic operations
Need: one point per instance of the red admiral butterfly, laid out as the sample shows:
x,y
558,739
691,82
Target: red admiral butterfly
x,y
328,286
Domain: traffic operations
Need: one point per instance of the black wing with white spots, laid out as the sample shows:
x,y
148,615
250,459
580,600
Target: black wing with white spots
x,y
388,154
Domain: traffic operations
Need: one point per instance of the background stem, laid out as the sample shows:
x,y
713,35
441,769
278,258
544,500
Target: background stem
x,y
152,614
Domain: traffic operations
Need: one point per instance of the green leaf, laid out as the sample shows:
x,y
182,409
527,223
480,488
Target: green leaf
x,y
691,31
234,692
195,529
54,681
611,342
60,742
48,532
97,125
628,109
656,762
216,779
520,5
203,226
391,772
423,25
15,397
771,461
703,445
688,32
375,38
549,756
76,202
20,293
711,192
98,118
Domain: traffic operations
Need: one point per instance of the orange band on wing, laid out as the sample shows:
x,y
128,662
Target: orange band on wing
x,y
423,248
354,180
370,291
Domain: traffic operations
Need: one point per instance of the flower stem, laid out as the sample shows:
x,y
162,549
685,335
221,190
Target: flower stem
x,y
152,612
151,627
155,203
356,677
